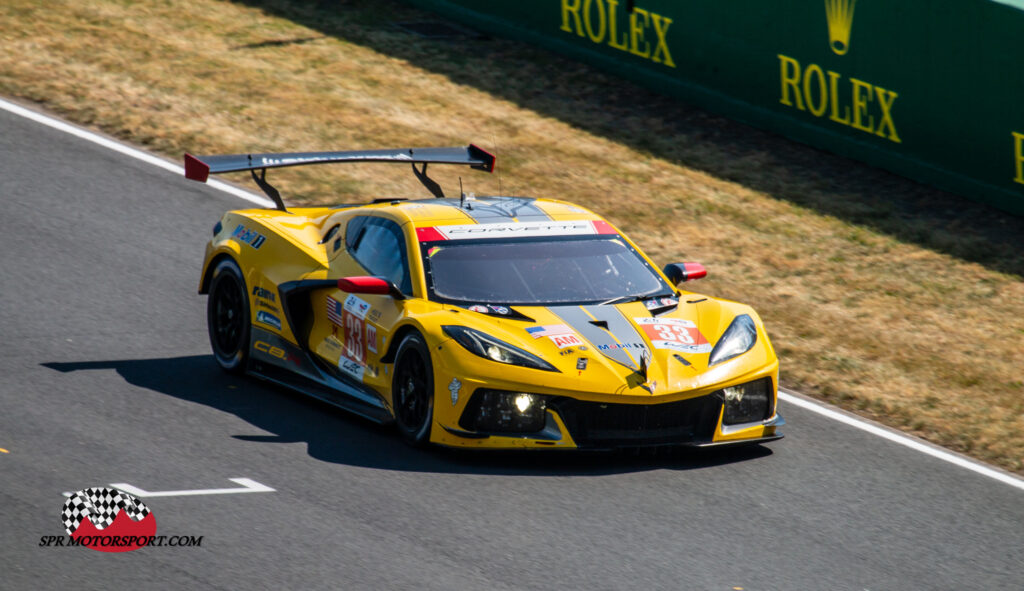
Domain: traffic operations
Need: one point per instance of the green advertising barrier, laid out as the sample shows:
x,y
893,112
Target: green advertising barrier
x,y
931,89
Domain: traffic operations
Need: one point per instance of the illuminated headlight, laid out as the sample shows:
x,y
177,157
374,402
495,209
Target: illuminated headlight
x,y
736,340
488,347
499,411
747,403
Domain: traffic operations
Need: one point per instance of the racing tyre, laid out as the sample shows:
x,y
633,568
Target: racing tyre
x,y
227,317
413,390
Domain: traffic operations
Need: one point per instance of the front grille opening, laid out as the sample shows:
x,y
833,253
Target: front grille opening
x,y
594,424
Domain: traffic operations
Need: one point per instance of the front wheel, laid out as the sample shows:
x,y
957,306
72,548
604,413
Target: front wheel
x,y
227,316
413,390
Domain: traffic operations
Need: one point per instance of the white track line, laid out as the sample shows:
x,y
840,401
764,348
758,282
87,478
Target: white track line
x,y
127,150
790,398
904,440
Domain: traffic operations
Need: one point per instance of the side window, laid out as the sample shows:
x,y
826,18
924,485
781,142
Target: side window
x,y
354,231
378,245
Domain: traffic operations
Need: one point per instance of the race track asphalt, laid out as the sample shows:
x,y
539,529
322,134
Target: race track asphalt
x,y
106,377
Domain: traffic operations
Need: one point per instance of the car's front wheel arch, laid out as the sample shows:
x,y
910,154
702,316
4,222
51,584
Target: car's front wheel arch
x,y
412,389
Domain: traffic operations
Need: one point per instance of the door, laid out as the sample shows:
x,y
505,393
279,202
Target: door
x,y
356,329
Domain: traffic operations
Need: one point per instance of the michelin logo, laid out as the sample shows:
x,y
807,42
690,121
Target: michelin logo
x,y
268,319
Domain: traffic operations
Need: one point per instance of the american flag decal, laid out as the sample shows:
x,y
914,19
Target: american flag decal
x,y
550,330
334,311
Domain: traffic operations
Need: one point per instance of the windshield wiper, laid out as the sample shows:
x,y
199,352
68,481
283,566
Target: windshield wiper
x,y
621,299
634,298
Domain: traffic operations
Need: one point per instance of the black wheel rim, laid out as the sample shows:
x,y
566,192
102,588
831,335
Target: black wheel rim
x,y
413,401
227,316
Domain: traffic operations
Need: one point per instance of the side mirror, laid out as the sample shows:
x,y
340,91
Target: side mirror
x,y
370,285
679,272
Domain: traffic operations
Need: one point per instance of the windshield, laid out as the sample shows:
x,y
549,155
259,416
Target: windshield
x,y
546,271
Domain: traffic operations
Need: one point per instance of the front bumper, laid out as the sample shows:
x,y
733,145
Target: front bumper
x,y
580,424
580,416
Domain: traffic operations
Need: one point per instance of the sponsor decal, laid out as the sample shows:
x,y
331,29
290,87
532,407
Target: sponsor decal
x,y
264,293
250,237
352,368
513,230
263,304
331,158
637,31
581,363
676,334
454,386
355,329
108,520
268,319
567,352
839,14
371,338
847,101
355,344
620,346
479,309
278,352
856,103
655,303
357,306
559,334
374,315
566,340
333,344
500,310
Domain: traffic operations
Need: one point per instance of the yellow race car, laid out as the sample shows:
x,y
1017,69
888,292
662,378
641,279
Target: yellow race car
x,y
486,322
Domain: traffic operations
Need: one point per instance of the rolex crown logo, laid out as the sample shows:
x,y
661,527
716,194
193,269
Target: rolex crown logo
x,y
840,21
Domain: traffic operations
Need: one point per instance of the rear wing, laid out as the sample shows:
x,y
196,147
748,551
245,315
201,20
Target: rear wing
x,y
199,168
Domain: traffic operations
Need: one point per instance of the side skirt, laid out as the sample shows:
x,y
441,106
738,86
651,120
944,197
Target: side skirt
x,y
276,360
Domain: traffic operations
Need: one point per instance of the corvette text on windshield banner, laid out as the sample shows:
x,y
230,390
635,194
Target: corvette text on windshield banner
x,y
520,230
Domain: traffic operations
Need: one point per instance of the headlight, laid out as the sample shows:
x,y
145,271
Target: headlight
x,y
488,347
737,340
498,411
747,403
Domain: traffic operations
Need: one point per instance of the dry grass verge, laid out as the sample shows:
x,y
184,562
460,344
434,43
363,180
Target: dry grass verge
x,y
888,298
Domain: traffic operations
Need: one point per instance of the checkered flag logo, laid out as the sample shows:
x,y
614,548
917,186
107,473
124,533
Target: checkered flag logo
x,y
101,506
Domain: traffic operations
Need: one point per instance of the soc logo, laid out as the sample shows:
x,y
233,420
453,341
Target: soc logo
x,y
108,520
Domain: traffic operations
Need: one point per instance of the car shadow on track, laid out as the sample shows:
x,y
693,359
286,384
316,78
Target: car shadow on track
x,y
332,435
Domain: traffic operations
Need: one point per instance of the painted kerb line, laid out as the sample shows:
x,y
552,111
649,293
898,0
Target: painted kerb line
x,y
126,150
903,440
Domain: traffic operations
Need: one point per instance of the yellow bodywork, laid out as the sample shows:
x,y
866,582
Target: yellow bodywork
x,y
288,248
